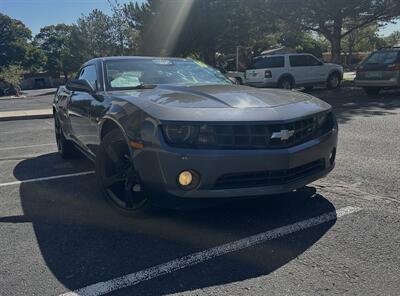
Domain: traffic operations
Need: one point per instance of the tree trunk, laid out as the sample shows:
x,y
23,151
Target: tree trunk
x,y
335,40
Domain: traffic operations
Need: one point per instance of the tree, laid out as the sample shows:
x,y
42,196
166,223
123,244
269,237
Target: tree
x,y
15,46
303,41
12,76
199,28
125,36
54,41
364,39
96,33
391,40
328,17
35,59
14,38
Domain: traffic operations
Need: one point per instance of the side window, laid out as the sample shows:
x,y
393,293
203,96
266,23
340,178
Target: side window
x,y
298,60
313,61
268,62
275,62
89,73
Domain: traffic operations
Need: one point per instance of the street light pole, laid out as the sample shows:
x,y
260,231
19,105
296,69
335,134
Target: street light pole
x,y
237,58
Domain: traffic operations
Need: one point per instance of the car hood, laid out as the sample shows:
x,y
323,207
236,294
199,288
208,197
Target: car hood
x,y
194,102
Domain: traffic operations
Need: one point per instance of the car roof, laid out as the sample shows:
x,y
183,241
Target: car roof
x,y
113,58
282,54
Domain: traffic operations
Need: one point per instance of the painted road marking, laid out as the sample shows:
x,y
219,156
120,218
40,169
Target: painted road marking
x,y
29,146
46,178
132,279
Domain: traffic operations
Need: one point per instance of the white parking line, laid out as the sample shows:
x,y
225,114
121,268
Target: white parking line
x,y
46,178
132,279
29,146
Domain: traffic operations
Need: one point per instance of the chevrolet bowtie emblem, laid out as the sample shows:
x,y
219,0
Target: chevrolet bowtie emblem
x,y
283,135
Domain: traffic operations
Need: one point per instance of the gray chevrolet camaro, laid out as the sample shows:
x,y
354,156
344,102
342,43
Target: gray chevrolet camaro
x,y
165,130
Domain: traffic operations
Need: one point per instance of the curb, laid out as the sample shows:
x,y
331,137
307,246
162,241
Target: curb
x,y
25,115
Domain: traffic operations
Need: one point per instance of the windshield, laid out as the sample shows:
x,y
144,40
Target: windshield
x,y
382,57
131,73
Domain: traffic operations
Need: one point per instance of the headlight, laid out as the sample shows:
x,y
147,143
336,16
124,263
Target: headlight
x,y
179,134
326,122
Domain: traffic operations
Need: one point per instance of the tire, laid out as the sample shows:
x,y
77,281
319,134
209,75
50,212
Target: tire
x,y
372,90
65,147
117,177
334,80
239,80
286,83
308,88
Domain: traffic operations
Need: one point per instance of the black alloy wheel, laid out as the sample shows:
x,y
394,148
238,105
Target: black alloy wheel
x,y
65,147
116,174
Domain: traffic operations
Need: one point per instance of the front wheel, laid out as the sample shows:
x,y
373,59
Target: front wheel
x,y
117,176
333,80
372,91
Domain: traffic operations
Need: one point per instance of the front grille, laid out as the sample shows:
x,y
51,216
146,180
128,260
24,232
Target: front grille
x,y
259,135
268,178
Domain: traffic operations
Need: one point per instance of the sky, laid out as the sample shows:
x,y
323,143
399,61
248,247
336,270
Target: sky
x,y
36,14
39,13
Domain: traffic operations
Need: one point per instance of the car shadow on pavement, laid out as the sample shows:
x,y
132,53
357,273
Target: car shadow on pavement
x,y
83,241
348,102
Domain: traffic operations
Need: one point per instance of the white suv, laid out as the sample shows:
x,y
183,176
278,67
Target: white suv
x,y
293,70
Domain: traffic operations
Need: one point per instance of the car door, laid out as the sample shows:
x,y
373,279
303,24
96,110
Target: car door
x,y
317,70
79,108
299,68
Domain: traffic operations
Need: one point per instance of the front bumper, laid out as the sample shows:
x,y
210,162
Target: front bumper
x,y
159,168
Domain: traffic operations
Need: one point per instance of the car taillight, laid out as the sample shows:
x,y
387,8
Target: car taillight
x,y
393,67
267,74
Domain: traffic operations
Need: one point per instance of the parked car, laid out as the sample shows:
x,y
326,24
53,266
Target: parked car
x,y
293,70
380,70
165,130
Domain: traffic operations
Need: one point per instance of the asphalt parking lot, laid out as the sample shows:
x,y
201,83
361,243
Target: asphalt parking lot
x,y
339,237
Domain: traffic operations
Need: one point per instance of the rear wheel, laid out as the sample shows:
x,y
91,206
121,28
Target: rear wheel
x,y
286,83
333,80
239,80
372,91
117,176
65,147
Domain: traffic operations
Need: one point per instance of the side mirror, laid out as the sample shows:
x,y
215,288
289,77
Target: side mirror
x,y
80,85
320,63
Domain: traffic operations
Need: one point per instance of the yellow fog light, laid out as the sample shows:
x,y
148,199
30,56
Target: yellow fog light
x,y
185,178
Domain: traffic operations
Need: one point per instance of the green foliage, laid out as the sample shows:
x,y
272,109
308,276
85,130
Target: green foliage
x,y
35,59
11,75
303,41
391,40
329,18
54,41
15,48
197,27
